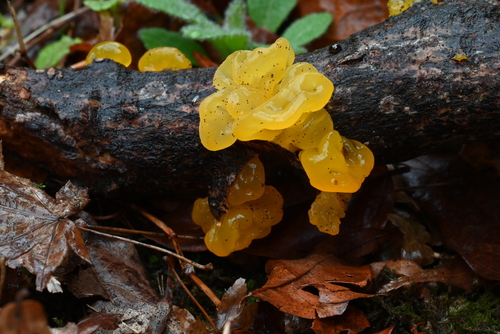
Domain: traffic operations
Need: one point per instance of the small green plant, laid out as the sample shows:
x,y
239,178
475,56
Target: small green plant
x,y
232,34
52,53
101,5
6,23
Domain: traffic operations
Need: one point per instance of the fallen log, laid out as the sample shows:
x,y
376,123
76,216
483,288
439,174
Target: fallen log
x,y
398,88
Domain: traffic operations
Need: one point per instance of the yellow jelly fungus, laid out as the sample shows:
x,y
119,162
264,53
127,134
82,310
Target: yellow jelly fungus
x,y
163,58
460,57
307,132
216,125
337,164
261,93
249,183
111,50
259,208
396,7
326,211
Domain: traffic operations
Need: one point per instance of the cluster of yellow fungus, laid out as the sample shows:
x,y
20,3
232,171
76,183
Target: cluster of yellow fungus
x,y
254,209
326,211
154,60
396,7
262,95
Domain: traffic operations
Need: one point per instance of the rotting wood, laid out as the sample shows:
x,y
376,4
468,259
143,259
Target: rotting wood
x,y
397,88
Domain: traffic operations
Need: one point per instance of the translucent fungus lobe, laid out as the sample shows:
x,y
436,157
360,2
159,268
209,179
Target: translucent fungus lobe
x,y
163,58
110,50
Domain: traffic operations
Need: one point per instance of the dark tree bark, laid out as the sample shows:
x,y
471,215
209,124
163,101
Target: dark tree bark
x,y
397,88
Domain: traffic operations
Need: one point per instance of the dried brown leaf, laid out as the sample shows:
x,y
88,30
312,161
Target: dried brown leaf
x,y
365,229
350,15
351,321
70,328
26,317
120,271
463,203
388,330
454,272
415,238
98,320
183,322
35,230
309,287
402,267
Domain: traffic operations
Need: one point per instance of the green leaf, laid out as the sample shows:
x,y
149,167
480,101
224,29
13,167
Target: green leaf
x,y
6,22
270,14
100,5
156,37
52,53
230,43
225,41
234,17
179,8
202,33
298,49
307,28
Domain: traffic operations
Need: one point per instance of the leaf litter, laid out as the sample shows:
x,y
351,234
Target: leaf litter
x,y
459,201
36,232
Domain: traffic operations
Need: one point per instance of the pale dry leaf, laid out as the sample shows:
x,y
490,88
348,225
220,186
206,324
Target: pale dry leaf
x,y
35,231
231,304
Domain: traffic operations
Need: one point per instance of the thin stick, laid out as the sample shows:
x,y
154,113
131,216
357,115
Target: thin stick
x,y
158,222
80,65
210,294
22,46
197,265
194,299
3,271
129,231
107,217
57,23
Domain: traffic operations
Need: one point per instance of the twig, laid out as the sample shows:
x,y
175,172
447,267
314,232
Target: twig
x,y
210,294
80,65
57,23
197,265
22,46
2,274
194,299
129,231
158,222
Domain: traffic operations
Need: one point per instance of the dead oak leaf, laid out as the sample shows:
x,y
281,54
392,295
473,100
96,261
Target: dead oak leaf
x,y
310,287
35,231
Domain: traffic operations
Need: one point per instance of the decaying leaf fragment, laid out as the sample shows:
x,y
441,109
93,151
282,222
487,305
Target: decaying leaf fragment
x,y
35,231
454,272
24,316
352,321
232,308
308,288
